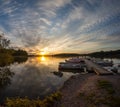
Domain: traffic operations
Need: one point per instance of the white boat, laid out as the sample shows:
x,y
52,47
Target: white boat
x,y
64,65
74,60
117,66
104,63
72,64
111,69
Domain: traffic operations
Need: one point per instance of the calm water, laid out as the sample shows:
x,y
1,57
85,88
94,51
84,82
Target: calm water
x,y
33,78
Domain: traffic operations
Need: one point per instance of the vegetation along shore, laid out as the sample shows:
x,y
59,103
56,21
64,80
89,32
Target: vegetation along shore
x,y
8,54
88,90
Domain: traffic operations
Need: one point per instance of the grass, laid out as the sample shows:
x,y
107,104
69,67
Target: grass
x,y
49,101
106,95
103,84
110,98
90,98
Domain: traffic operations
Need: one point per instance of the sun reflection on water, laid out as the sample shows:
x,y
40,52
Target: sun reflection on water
x,y
43,58
51,62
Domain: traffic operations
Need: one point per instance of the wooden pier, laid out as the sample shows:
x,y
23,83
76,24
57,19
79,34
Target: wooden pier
x,y
97,69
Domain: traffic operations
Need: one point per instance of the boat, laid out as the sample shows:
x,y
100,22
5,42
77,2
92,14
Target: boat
x,y
117,67
74,63
65,65
104,63
74,60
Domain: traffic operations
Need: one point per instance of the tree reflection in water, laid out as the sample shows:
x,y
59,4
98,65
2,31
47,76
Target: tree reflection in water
x,y
5,73
5,77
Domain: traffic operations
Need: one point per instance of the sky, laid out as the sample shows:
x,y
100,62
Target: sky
x,y
61,26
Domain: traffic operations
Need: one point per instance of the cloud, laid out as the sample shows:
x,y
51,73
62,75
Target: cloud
x,y
50,7
53,4
8,7
45,21
61,25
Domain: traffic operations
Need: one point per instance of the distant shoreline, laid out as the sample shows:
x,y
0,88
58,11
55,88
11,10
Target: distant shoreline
x,y
101,54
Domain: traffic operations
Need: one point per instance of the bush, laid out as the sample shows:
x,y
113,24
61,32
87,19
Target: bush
x,y
25,102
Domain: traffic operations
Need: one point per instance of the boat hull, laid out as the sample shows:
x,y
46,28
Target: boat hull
x,y
71,66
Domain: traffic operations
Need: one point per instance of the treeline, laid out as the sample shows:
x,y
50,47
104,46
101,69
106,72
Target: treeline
x,y
13,52
19,53
66,55
9,55
102,54
5,48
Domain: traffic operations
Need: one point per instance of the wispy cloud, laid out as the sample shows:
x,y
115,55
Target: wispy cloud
x,y
61,25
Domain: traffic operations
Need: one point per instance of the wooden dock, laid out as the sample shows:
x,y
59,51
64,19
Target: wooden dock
x,y
97,69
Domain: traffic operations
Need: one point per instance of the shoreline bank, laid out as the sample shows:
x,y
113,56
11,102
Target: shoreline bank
x,y
82,91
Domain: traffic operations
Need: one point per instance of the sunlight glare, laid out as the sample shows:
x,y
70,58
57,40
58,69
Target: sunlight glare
x,y
44,51
43,58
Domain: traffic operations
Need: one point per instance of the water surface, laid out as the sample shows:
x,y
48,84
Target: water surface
x,y
33,78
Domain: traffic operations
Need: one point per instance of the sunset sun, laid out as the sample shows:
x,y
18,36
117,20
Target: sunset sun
x,y
44,51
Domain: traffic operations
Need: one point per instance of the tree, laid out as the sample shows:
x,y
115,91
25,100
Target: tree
x,y
0,41
4,43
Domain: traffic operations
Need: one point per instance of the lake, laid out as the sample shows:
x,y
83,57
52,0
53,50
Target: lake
x,y
35,77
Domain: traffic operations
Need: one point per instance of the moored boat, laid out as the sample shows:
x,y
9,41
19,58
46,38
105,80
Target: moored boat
x,y
65,65
117,67
74,60
74,63
104,63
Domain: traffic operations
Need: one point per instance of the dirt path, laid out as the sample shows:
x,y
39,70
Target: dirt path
x,y
72,89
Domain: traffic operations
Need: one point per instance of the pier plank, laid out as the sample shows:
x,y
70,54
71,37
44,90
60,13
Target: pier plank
x,y
97,69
